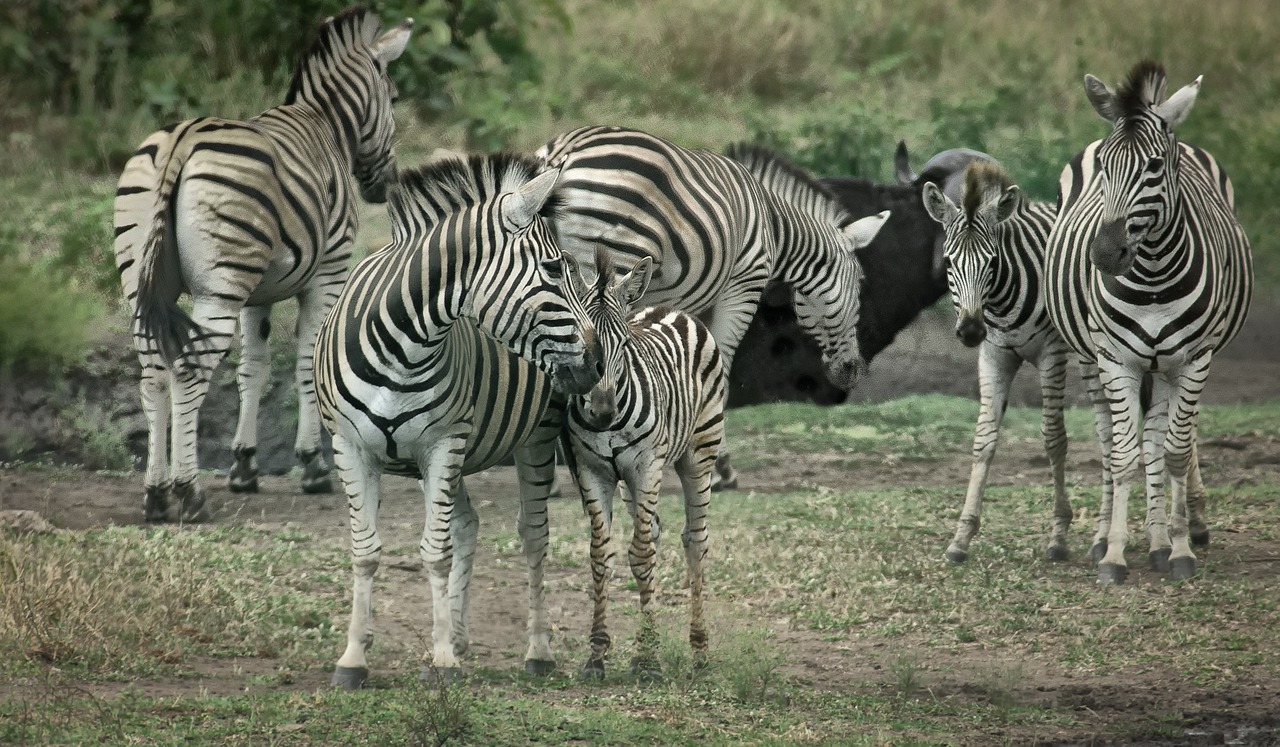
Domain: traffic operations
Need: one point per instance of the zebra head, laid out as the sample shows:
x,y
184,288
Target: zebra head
x,y
828,302
527,294
970,242
608,299
1137,163
344,77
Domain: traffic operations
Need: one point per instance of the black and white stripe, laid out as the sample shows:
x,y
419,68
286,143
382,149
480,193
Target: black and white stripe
x,y
416,376
659,404
1149,274
993,251
241,215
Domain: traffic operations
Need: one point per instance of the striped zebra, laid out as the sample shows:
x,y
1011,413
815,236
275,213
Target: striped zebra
x,y
993,250
241,215
416,376
1149,274
660,404
717,228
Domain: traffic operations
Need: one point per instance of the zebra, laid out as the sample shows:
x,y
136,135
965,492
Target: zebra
x,y
660,404
717,228
241,215
1148,274
439,360
993,253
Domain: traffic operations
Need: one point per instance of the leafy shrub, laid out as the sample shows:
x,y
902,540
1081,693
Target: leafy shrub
x,y
45,320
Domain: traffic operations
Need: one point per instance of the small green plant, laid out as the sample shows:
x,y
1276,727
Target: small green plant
x,y
905,669
437,713
750,665
1000,682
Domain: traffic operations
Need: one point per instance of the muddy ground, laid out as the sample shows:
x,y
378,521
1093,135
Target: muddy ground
x,y
1249,373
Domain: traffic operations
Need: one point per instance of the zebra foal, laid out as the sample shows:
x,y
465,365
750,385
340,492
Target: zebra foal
x,y
241,215
416,376
659,404
993,253
1149,274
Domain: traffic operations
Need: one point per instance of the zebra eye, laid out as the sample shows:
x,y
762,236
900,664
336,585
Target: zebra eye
x,y
554,268
1155,164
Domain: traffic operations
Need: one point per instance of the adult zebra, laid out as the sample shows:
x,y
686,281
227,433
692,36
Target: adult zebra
x,y
659,404
1149,273
716,235
993,252
416,376
241,215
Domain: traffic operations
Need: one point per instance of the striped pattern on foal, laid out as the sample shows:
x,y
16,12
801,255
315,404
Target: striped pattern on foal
x,y
241,215
659,404
1149,274
439,360
993,250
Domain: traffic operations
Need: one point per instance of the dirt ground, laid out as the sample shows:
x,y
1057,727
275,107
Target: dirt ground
x,y
1245,716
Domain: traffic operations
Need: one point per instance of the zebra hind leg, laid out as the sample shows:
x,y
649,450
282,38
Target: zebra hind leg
x,y
252,375
312,308
155,389
1198,527
316,475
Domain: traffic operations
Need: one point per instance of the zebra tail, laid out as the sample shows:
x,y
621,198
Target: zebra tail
x,y
157,316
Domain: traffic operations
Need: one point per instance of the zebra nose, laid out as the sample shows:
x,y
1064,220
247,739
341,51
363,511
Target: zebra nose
x,y
971,330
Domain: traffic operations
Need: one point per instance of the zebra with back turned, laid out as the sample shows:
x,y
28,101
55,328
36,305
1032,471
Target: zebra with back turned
x,y
716,235
1149,273
416,376
241,215
993,252
659,404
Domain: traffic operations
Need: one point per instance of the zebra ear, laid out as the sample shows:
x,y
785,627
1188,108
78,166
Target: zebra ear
x,y
1102,98
391,45
902,165
937,205
636,282
863,231
1007,203
525,202
1178,106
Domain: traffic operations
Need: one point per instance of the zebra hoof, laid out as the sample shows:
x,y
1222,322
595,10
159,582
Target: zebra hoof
x,y
1110,574
1098,551
646,671
539,667
1200,539
1160,560
1056,553
244,473
237,484
315,474
349,678
441,676
155,506
719,484
593,670
956,556
191,506
1183,568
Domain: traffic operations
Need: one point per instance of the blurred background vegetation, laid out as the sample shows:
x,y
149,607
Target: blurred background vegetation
x,y
835,84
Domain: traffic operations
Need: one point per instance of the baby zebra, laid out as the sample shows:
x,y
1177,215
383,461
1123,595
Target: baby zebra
x,y
994,256
659,404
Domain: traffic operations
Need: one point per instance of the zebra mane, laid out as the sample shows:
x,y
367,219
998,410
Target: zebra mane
x,y
789,181
1143,89
425,195
604,273
337,35
981,180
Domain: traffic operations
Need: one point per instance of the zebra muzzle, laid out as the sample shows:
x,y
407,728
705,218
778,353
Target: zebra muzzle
x,y
1109,251
971,329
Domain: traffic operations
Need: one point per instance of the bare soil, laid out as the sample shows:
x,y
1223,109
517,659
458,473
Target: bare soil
x,y
1248,715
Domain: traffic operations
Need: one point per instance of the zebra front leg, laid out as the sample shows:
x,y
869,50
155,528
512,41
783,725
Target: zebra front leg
x,y
155,387
362,486
1123,392
535,468
463,530
641,555
695,480
1053,382
442,471
313,305
1180,456
252,375
1154,427
598,483
728,322
996,369
1102,426
1196,499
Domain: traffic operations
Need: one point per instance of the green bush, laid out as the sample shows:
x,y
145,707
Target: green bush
x,y
45,319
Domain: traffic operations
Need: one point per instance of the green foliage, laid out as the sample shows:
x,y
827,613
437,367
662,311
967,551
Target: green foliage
x,y
36,332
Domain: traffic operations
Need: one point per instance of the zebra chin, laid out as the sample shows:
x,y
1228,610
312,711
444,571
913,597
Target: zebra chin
x,y
845,372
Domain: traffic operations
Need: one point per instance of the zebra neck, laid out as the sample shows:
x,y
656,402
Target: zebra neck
x,y
326,105
800,238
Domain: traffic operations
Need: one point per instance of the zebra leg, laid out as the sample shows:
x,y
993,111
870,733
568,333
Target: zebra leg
x,y
535,468
312,308
463,530
996,369
598,482
728,322
695,479
362,486
1123,390
252,374
1180,455
1053,382
1155,426
442,471
641,555
155,388
1196,498
1102,426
